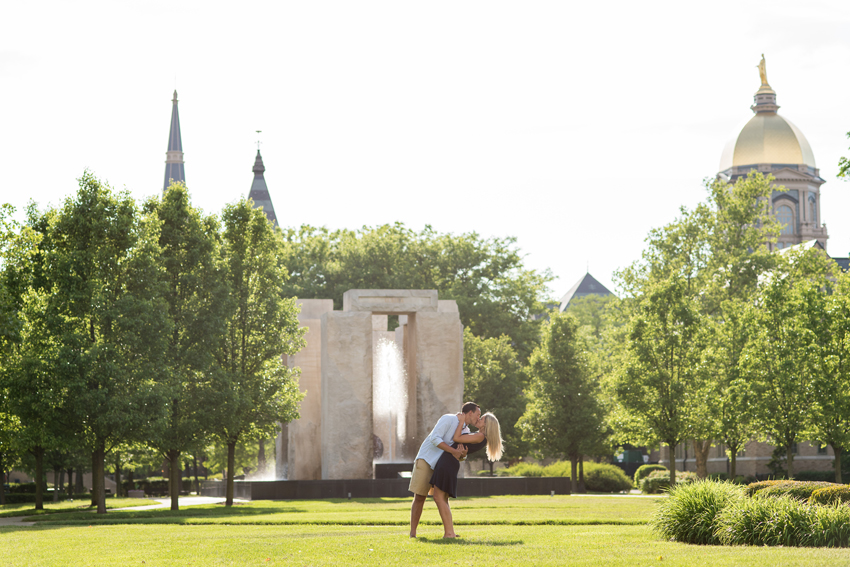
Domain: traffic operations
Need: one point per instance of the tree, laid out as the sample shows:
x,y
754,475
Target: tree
x,y
781,358
496,294
844,165
563,416
828,316
493,379
105,309
663,378
188,246
253,389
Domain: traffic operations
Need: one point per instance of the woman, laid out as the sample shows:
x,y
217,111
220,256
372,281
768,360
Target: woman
x,y
444,479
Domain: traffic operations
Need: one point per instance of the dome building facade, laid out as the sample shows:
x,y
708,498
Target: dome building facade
x,y
771,144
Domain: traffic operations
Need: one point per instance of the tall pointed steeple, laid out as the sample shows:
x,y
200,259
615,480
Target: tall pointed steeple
x,y
174,156
260,192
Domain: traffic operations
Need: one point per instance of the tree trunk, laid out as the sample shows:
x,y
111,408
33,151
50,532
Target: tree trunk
x,y
837,450
38,452
2,481
118,488
733,463
231,465
581,487
197,482
789,461
672,447
70,489
56,473
261,459
174,478
78,486
574,473
701,448
491,468
97,476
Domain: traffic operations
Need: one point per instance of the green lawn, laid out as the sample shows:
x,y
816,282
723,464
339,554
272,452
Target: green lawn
x,y
518,510
8,510
261,533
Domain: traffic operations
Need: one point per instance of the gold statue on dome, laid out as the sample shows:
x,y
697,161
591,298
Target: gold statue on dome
x,y
763,70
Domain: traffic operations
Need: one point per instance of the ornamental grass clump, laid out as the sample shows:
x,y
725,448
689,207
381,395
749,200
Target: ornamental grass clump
x,y
783,521
690,512
836,494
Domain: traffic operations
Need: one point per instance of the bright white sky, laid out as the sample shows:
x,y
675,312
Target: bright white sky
x,y
574,126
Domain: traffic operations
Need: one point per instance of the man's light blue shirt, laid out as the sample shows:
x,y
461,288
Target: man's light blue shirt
x,y
443,432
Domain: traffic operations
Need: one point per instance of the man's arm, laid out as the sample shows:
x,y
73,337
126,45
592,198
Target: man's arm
x,y
440,432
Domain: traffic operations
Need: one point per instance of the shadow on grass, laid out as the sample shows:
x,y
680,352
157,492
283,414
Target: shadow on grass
x,y
161,515
464,541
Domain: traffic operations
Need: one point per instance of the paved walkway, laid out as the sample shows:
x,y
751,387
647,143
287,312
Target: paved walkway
x,y
160,504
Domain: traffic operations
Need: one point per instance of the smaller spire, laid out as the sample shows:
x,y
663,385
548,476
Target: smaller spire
x,y
174,167
765,98
259,192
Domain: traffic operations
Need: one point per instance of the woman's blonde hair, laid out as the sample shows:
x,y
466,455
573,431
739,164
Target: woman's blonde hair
x,y
493,433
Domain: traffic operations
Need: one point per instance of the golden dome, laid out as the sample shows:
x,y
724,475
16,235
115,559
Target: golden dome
x,y
767,138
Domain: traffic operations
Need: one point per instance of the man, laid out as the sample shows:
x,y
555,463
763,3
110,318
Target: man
x,y
438,440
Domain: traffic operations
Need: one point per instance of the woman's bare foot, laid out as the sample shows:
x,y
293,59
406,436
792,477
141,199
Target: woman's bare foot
x,y
450,536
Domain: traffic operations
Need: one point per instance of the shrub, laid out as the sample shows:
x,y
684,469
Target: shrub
x,y
659,481
644,470
690,512
836,494
783,521
598,477
792,489
560,468
605,478
522,469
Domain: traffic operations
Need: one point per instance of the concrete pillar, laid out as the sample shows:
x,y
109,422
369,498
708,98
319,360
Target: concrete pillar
x,y
346,438
299,457
438,340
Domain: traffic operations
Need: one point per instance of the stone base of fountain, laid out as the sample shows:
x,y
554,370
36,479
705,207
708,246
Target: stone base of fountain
x,y
385,488
390,470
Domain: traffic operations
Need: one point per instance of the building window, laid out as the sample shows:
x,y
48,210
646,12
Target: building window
x,y
786,219
821,449
813,211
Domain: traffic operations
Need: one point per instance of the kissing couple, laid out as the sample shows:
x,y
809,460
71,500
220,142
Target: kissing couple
x,y
438,461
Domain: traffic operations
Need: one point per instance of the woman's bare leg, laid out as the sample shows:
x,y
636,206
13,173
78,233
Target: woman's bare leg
x,y
441,499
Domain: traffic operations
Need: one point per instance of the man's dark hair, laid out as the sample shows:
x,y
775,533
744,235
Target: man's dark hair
x,y
468,407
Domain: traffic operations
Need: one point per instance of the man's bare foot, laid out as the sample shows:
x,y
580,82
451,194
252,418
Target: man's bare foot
x,y
450,536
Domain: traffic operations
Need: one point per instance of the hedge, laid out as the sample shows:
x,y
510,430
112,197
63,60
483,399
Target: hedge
x,y
659,481
837,494
644,470
155,485
598,477
47,498
792,489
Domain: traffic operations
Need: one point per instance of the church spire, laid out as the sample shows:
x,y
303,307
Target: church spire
x,y
174,156
260,192
765,97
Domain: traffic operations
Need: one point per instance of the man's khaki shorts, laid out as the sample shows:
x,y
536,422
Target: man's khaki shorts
x,y
420,480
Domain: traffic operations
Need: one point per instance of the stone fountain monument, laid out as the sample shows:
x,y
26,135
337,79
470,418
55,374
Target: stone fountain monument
x,y
372,395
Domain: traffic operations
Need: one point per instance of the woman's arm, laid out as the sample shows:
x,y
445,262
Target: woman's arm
x,y
468,438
